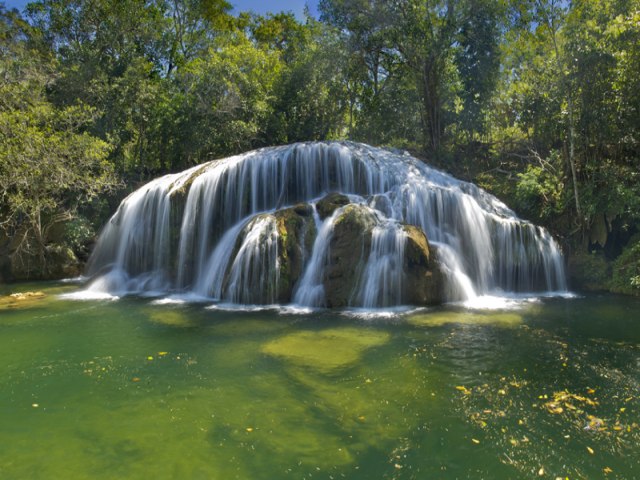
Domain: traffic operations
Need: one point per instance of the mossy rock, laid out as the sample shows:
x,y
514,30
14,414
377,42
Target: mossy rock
x,y
21,300
57,261
171,318
425,280
330,203
296,234
325,351
438,319
349,249
589,272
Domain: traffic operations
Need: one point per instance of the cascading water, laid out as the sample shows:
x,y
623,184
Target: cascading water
x,y
220,230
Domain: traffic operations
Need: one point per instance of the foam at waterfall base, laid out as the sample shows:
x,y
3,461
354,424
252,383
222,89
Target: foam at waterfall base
x,y
511,301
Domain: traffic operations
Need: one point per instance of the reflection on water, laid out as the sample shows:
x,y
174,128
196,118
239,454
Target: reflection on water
x,y
138,388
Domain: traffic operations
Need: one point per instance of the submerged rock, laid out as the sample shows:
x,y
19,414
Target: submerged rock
x,y
21,300
326,350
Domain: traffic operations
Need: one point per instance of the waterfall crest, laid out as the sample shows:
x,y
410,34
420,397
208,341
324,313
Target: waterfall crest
x,y
246,229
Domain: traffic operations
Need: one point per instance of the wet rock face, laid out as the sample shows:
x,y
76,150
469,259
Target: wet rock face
x,y
350,248
330,203
283,243
297,232
425,280
348,252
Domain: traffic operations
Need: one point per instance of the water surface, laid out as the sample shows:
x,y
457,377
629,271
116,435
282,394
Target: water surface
x,y
136,389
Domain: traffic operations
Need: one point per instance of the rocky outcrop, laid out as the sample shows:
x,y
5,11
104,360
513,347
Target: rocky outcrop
x,y
348,252
58,261
273,248
330,203
350,249
424,278
297,232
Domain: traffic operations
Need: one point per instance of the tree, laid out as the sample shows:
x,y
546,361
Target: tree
x,y
49,164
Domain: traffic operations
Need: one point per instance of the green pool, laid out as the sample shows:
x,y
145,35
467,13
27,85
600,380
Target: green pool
x,y
135,388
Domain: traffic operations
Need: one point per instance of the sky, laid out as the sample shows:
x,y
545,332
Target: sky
x,y
258,6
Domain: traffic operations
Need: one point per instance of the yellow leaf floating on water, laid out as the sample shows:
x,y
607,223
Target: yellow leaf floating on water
x,y
553,407
463,389
162,354
595,423
607,470
475,441
590,450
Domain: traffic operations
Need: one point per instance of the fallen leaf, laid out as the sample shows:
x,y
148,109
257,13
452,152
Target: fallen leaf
x,y
541,471
590,450
475,441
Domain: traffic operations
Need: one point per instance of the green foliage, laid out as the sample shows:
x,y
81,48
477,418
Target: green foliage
x,y
78,233
539,101
589,271
49,163
626,271
540,192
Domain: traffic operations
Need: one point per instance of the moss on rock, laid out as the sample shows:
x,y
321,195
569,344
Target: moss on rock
x,y
327,350
425,280
348,251
438,319
330,203
296,234
297,231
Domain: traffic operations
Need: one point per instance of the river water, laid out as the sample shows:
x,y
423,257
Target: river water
x,y
149,388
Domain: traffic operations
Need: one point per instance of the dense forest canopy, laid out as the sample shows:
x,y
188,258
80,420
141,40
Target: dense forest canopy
x,y
536,100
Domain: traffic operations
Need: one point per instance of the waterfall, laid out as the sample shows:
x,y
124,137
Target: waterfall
x,y
217,230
